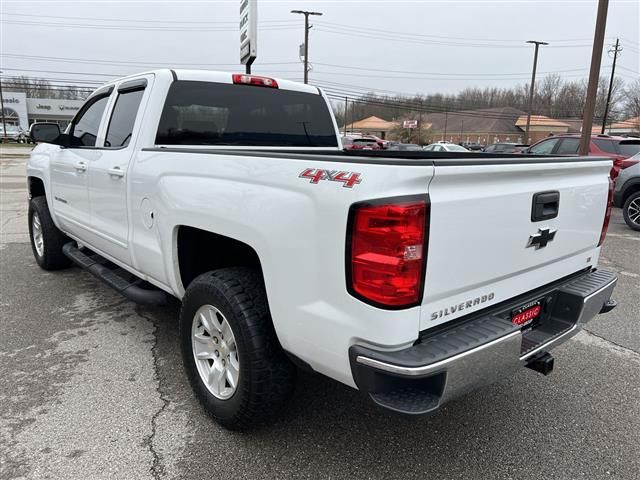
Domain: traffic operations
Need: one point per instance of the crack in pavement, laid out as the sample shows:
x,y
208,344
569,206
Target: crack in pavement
x,y
627,350
157,469
614,264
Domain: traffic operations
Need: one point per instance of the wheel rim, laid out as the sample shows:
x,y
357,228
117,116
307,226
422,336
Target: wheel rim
x,y
215,352
36,234
633,211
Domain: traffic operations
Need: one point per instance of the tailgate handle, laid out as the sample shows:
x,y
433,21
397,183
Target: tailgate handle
x,y
545,205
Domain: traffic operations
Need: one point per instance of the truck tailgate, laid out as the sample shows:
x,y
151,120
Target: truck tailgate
x,y
481,230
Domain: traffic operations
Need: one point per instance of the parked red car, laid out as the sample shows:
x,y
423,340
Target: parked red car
x,y
360,143
620,149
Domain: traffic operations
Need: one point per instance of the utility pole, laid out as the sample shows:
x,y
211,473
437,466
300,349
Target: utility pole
x,y
533,81
346,109
4,126
461,128
446,119
617,49
594,74
306,39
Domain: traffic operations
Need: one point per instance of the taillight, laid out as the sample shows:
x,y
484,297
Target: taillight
x,y
242,79
607,213
386,251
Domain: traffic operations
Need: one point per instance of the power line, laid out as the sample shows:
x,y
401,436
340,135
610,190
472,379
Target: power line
x,y
230,22
125,62
345,27
349,67
440,73
141,28
410,38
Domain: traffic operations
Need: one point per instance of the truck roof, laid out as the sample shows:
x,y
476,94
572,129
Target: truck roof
x,y
220,77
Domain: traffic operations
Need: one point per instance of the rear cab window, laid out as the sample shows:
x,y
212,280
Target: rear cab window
x,y
209,113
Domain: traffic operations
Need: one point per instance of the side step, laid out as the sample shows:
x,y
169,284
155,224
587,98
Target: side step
x,y
118,279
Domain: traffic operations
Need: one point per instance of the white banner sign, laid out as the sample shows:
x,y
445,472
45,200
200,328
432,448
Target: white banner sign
x,y
410,124
248,31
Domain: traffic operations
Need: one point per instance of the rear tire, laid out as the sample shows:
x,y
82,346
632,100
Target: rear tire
x,y
46,240
230,305
631,211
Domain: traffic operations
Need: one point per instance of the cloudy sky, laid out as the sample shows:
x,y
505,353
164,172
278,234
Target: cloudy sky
x,y
394,46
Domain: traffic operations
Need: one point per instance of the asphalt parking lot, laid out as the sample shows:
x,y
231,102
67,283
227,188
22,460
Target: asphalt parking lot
x,y
91,386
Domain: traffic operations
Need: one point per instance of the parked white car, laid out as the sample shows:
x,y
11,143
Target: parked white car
x,y
232,193
444,147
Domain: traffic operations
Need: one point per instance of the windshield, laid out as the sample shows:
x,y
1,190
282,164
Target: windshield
x,y
208,113
629,148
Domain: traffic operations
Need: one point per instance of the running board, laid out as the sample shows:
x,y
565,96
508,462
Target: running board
x,y
120,280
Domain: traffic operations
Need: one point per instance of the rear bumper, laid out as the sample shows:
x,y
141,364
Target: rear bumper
x,y
478,349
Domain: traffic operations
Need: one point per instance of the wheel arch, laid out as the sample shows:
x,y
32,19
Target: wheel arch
x,y
35,186
629,188
199,251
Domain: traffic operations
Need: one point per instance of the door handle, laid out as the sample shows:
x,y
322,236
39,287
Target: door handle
x,y
545,206
80,166
116,172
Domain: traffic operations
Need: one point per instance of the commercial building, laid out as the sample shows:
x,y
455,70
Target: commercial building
x,y
371,125
23,111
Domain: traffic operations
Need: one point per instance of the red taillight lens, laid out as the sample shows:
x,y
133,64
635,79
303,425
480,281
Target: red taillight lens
x,y
388,252
607,213
242,79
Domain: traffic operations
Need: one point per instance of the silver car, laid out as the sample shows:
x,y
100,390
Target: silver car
x,y
13,133
627,194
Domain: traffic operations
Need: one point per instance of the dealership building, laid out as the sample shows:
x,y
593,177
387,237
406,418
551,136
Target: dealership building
x,y
23,111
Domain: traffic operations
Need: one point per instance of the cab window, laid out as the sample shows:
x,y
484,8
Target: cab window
x,y
122,119
84,129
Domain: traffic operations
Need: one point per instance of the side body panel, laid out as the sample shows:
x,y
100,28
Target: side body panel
x,y
298,230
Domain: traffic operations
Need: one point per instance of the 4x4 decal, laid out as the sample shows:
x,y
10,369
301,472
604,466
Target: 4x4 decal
x,y
348,179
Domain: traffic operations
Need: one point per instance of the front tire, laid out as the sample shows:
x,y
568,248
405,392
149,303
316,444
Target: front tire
x,y
46,240
231,354
631,211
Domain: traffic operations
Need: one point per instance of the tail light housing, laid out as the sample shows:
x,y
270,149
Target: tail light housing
x,y
256,80
607,213
387,251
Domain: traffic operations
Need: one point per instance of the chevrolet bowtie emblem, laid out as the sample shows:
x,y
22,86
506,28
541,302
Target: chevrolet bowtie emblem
x,y
539,240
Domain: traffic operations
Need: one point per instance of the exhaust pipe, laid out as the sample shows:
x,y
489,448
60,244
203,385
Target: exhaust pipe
x,y
542,362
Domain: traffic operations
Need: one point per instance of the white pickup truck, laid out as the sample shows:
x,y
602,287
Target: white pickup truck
x,y
412,276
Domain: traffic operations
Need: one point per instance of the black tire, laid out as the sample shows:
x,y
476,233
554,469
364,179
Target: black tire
x,y
266,376
630,211
53,239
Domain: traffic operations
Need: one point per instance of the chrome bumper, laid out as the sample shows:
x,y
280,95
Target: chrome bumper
x,y
480,350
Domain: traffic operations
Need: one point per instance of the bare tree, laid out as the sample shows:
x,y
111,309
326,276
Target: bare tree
x,y
631,100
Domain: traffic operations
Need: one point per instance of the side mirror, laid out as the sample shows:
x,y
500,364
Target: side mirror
x,y
46,133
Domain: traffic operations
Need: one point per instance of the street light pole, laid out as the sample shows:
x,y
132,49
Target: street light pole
x,y
533,81
4,126
306,39
594,74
